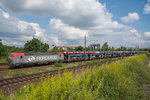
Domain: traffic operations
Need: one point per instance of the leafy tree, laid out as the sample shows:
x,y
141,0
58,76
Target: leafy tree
x,y
56,49
123,48
70,49
6,50
87,49
2,49
1,42
36,45
79,48
105,47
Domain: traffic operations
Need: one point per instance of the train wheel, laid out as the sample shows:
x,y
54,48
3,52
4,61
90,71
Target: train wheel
x,y
20,66
12,67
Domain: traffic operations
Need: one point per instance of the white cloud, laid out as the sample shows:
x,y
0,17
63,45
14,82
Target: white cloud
x,y
128,36
85,14
55,41
65,34
131,17
16,43
5,15
68,31
23,25
147,34
16,32
39,31
71,20
147,7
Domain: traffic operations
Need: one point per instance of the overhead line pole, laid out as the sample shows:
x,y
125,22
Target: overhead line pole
x,y
85,41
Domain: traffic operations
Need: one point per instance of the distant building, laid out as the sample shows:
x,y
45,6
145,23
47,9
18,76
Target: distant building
x,y
130,48
113,48
94,46
67,47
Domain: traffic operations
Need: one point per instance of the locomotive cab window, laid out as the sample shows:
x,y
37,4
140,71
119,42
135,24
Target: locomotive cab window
x,y
10,56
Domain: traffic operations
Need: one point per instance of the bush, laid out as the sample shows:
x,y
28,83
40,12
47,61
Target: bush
x,y
2,97
148,54
58,64
118,80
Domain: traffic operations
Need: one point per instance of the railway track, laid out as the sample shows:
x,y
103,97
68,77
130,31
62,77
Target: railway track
x,y
10,85
4,67
3,63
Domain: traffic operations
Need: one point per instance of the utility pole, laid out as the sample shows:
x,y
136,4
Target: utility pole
x,y
85,41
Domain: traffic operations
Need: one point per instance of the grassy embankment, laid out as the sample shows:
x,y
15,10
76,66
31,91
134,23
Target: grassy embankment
x,y
3,59
121,80
54,67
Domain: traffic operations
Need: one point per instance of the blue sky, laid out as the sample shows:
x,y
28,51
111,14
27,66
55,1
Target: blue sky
x,y
120,8
118,22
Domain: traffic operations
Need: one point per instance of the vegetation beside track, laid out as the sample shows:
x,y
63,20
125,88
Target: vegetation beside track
x,y
119,80
55,66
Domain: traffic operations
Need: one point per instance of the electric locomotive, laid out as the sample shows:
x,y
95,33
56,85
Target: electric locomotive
x,y
31,59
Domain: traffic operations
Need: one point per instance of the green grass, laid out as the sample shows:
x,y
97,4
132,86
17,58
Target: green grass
x,y
16,74
29,71
121,80
3,59
58,65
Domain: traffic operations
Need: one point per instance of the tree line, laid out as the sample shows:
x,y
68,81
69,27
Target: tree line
x,y
35,45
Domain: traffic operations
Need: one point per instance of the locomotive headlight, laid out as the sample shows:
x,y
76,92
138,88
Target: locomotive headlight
x,y
10,61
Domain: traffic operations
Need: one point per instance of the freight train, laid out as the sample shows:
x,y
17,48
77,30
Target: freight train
x,y
31,59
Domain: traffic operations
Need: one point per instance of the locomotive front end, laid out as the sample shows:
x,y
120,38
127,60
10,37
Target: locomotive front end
x,y
10,60
14,59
